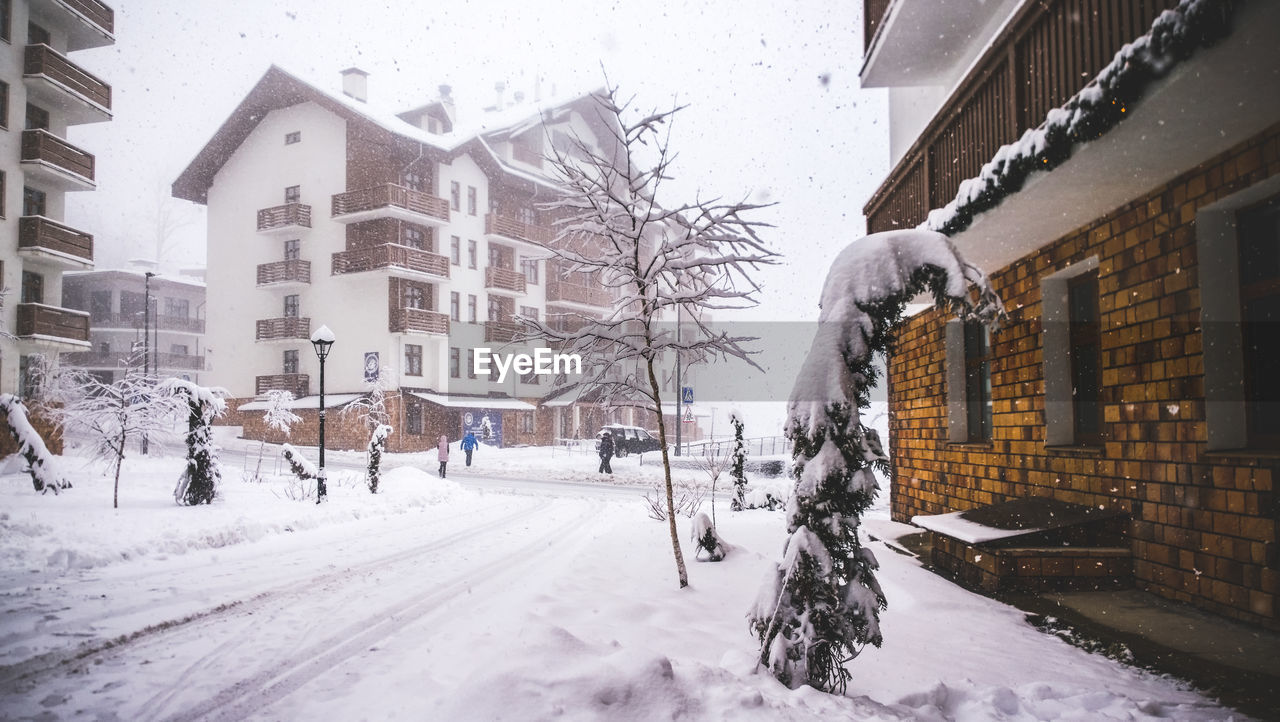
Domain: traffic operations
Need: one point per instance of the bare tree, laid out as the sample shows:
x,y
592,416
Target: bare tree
x,y
279,416
661,262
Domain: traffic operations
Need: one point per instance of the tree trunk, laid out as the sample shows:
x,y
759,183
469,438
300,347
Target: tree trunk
x,y
115,497
666,470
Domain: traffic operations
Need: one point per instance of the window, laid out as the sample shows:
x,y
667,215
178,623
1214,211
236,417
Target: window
x,y
1072,355
526,422
413,419
471,200
413,181
37,118
291,306
412,359
6,15
37,35
977,380
294,137
2,194
32,287
293,194
292,249
178,349
529,379
32,202
290,363
471,366
500,257
1259,237
104,348
495,309
530,268
455,196
99,306
1086,357
455,306
455,250
471,308
4,104
415,297
177,308
414,237
530,312
471,254
455,362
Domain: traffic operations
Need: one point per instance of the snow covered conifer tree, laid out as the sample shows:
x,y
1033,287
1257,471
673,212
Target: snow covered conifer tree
x,y
821,605
199,482
661,262
377,443
739,469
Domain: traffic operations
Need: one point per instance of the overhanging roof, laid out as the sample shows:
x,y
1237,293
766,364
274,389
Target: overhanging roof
x,y
474,402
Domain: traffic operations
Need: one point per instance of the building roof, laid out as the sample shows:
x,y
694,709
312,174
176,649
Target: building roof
x,y
278,88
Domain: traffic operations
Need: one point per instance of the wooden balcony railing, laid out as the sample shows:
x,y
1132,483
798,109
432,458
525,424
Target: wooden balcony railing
x,y
37,319
275,329
500,331
390,195
289,215
44,60
559,291
40,232
41,145
418,320
503,279
390,255
96,12
290,271
299,384
496,225
1049,51
873,12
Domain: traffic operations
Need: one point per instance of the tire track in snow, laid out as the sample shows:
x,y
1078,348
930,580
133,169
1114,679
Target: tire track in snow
x,y
259,691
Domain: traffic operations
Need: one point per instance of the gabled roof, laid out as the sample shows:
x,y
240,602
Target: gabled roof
x,y
279,89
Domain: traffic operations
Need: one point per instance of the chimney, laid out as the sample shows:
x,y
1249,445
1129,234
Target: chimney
x,y
355,83
446,100
499,87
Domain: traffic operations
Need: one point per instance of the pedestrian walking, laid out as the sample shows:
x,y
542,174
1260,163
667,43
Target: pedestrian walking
x,y
442,452
469,445
606,452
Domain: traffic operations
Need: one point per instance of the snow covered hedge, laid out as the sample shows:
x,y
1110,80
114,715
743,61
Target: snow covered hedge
x,y
1096,109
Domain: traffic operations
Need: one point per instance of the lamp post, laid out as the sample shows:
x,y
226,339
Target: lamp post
x,y
146,338
322,339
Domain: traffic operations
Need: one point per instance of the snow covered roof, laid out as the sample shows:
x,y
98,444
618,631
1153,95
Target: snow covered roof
x,y
306,402
474,402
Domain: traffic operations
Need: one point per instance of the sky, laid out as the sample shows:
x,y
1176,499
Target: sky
x,y
774,112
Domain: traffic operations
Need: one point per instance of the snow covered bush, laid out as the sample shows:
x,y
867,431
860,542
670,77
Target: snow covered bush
x,y
767,494
820,606
40,462
279,416
705,539
199,481
377,444
299,465
739,469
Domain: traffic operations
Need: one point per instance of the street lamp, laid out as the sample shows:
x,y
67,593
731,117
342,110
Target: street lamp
x,y
146,338
322,339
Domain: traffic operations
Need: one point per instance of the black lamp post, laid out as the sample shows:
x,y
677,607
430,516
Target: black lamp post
x,y
146,338
322,339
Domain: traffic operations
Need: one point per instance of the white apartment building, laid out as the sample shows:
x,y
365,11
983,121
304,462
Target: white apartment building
x,y
43,94
413,239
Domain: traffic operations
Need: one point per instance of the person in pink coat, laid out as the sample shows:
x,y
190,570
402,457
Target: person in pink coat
x,y
442,451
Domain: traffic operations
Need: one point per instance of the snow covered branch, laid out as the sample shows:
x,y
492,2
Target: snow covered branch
x,y
40,463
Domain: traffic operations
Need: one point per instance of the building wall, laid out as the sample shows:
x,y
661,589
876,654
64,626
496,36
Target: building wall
x,y
1203,525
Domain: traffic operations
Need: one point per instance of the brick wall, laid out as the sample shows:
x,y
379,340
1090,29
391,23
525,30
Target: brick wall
x,y
1203,526
52,436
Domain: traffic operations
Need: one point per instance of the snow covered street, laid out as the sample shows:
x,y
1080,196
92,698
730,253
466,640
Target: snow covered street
x,y
463,599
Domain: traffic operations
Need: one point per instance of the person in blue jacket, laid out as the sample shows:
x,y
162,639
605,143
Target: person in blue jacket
x,y
469,445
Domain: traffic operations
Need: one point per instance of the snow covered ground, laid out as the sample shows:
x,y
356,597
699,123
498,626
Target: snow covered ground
x,y
518,589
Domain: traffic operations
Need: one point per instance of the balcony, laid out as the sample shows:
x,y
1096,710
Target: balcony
x,y
284,273
38,321
558,291
501,331
501,280
526,156
510,228
390,201
391,256
283,329
1042,59
181,324
55,163
288,218
87,23
418,320
55,82
42,239
299,384
122,359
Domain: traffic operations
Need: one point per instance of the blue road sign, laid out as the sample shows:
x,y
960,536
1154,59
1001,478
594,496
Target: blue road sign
x,y
686,395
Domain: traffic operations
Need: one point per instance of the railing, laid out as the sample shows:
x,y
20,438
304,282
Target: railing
x,y
873,12
503,331
37,319
760,446
135,320
290,271
299,384
98,359
418,320
41,145
390,195
525,155
273,329
496,225
99,13
286,216
1046,55
40,232
390,255
568,292
503,279
44,60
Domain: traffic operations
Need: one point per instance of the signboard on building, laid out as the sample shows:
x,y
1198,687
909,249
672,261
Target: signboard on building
x,y
371,366
486,424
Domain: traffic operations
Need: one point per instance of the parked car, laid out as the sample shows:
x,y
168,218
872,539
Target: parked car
x,y
629,439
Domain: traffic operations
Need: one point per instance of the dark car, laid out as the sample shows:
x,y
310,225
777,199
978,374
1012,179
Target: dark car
x,y
629,439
